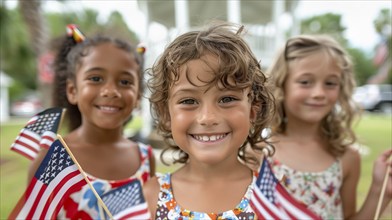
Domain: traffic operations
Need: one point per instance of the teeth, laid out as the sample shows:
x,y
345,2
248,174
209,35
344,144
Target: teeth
x,y
206,138
108,108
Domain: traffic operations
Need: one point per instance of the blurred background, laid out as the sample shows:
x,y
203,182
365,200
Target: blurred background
x,y
30,31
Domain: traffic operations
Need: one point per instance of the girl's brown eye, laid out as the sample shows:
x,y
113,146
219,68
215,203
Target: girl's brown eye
x,y
126,82
95,79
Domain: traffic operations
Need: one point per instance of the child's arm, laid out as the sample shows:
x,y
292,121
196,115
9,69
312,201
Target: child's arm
x,y
152,164
35,164
151,192
351,162
368,209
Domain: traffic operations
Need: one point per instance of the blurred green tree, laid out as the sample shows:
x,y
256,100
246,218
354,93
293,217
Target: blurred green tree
x,y
383,25
382,57
330,24
16,55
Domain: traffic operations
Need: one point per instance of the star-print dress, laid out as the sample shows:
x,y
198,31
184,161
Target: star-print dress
x,y
167,207
84,205
318,190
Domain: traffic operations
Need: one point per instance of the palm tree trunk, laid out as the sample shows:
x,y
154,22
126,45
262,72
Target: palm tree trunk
x,y
32,14
33,17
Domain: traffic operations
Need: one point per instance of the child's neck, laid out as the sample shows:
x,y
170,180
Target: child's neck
x,y
308,131
99,136
198,189
200,173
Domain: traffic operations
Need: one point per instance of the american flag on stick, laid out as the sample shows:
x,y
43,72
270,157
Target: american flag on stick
x,y
59,175
56,178
39,132
270,200
127,202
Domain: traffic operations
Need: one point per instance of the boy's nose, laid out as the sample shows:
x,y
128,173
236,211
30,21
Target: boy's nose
x,y
208,116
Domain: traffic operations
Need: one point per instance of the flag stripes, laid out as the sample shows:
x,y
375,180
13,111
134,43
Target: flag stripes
x,y
39,132
270,200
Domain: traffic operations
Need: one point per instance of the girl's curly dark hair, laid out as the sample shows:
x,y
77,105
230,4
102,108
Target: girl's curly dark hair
x,y
69,58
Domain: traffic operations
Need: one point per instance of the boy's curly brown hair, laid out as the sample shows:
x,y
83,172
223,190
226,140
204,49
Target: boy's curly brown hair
x,y
237,62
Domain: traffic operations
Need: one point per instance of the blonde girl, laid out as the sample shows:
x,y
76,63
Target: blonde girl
x,y
313,82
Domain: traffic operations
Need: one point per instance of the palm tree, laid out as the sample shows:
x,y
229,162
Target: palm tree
x,y
33,16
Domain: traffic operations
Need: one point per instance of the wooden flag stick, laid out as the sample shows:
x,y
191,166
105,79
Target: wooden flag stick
x,y
63,112
384,186
100,202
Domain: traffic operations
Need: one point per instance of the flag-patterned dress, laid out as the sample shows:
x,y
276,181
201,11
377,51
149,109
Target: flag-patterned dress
x,y
115,194
167,207
320,191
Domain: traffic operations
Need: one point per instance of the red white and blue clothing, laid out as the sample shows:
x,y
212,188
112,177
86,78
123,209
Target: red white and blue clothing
x,y
84,204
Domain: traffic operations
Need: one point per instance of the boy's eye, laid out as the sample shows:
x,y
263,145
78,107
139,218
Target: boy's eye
x,y
188,101
227,99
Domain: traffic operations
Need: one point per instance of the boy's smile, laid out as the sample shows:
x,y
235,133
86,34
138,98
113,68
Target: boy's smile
x,y
208,121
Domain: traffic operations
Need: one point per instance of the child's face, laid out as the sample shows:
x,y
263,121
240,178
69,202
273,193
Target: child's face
x,y
106,87
311,89
208,123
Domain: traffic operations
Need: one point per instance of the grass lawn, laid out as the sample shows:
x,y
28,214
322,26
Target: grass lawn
x,y
373,130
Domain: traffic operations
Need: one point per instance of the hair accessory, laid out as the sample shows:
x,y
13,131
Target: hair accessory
x,y
141,48
75,33
266,133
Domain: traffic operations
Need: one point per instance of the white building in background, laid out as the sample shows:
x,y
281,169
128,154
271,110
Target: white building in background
x,y
5,83
267,23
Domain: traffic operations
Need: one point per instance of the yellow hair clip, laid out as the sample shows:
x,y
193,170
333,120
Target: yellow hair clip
x,y
75,33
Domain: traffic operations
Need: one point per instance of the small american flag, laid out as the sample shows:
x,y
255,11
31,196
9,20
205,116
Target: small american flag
x,y
271,201
56,178
127,202
40,131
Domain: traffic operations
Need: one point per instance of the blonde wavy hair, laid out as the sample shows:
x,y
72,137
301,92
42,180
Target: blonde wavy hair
x,y
337,125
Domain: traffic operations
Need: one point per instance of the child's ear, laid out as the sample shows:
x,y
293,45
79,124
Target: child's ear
x,y
71,92
167,122
254,110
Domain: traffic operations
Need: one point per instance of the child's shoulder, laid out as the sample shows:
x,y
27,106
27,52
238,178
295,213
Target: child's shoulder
x,y
151,191
153,185
351,154
351,160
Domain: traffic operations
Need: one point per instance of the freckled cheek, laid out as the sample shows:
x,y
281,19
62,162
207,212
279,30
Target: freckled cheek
x,y
240,116
179,120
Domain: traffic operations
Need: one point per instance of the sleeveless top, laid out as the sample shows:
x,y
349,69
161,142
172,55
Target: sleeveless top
x,y
83,203
167,207
320,191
